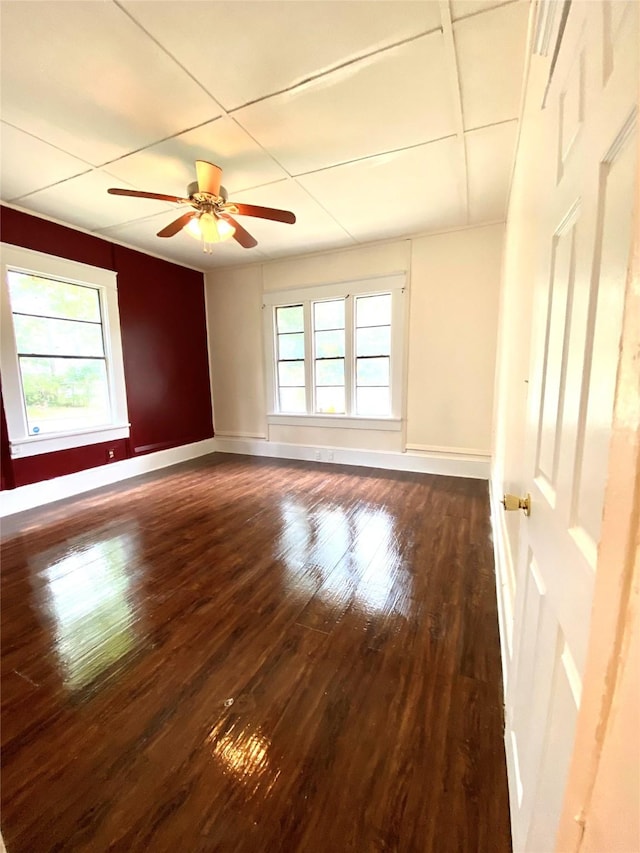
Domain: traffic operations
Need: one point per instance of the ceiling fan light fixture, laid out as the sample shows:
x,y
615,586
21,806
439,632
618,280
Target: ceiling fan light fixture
x,y
225,229
209,229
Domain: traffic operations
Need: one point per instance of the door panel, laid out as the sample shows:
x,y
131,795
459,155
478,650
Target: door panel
x,y
558,326
559,729
611,259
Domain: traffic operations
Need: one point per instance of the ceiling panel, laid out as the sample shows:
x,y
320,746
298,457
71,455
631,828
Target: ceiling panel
x,y
490,50
463,8
394,194
490,154
261,48
170,166
392,101
314,228
28,164
84,201
85,78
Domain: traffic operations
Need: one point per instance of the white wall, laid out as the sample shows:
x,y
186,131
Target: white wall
x,y
453,285
452,339
234,321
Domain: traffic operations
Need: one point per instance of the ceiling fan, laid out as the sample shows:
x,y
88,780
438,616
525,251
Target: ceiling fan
x,y
212,218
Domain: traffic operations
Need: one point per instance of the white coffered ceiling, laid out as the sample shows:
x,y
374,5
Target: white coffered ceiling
x,y
370,119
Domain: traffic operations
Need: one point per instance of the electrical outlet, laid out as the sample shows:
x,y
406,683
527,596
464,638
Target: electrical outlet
x,y
317,455
111,454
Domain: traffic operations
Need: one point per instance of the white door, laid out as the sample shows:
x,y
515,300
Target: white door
x,y
590,136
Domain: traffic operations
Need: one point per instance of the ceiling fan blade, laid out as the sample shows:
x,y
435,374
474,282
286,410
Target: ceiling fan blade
x,y
243,237
209,177
265,212
139,194
177,224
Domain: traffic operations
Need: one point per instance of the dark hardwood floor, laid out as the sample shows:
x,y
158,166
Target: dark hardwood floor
x,y
246,655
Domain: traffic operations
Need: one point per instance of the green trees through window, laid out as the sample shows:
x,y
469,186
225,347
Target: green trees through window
x,y
61,355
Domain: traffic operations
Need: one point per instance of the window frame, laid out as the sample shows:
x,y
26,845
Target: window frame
x,y
19,259
394,284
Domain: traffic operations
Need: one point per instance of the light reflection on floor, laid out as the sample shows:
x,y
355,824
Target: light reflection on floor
x,y
90,598
245,755
321,538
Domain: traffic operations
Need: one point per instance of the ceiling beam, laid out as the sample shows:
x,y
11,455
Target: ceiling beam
x,y
451,61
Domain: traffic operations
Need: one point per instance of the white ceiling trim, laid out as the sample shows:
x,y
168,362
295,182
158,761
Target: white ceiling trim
x,y
454,82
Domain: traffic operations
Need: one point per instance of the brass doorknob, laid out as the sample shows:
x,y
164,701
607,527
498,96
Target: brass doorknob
x,y
513,502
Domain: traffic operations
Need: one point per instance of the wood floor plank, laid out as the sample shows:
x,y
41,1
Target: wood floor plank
x,y
240,654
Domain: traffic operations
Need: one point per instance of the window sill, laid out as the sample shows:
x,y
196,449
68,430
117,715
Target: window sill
x,y
35,445
339,421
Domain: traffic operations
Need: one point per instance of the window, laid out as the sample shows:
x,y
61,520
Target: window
x,y
63,378
60,347
290,343
335,353
373,354
329,355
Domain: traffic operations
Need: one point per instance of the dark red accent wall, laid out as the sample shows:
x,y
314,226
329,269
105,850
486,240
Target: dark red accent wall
x,y
6,468
30,232
30,469
164,343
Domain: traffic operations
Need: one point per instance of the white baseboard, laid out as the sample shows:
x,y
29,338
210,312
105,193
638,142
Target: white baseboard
x,y
451,464
455,451
47,491
225,434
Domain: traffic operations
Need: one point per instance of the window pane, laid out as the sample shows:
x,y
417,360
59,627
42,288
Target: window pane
x,y
328,315
330,372
57,337
31,294
372,371
330,401
290,319
291,346
64,393
329,344
292,400
291,373
373,310
375,340
372,401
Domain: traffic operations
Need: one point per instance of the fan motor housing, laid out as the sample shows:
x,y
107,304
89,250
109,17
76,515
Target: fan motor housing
x,y
192,190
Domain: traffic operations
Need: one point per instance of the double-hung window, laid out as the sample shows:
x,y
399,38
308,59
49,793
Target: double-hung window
x,y
329,353
335,353
63,378
290,354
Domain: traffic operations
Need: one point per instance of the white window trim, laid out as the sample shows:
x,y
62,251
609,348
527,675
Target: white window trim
x,y
105,281
343,421
396,285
